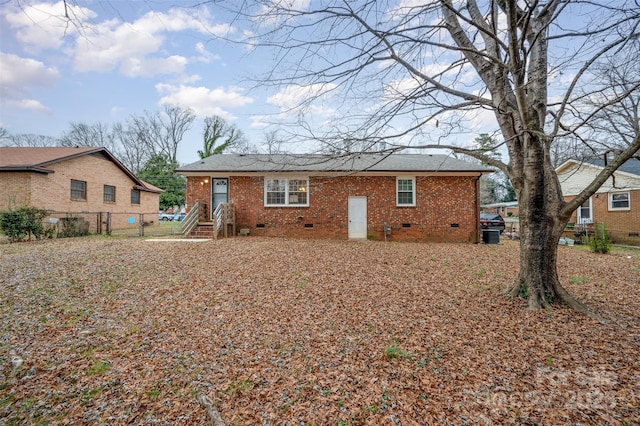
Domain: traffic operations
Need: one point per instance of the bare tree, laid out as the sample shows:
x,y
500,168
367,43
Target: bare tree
x,y
96,134
273,142
611,111
569,148
162,132
122,141
28,140
132,152
413,72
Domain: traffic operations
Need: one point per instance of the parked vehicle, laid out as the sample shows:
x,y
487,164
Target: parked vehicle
x,y
491,221
172,216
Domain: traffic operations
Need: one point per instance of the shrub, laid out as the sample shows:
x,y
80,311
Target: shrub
x,y
600,242
24,222
12,225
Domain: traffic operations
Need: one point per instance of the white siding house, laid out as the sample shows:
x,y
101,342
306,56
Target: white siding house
x,y
616,203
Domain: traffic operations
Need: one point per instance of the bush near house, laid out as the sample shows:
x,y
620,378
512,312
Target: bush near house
x,y
23,223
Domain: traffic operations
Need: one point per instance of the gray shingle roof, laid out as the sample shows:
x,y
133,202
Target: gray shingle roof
x,y
268,163
632,165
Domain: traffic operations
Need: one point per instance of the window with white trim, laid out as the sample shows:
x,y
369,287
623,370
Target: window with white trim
x,y
619,201
405,191
286,192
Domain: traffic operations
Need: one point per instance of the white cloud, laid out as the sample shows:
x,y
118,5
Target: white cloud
x,y
29,104
309,103
202,100
135,48
145,67
176,20
205,55
293,97
17,78
190,79
131,45
43,25
112,43
259,121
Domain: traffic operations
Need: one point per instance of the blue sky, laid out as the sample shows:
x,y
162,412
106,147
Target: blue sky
x,y
117,58
123,58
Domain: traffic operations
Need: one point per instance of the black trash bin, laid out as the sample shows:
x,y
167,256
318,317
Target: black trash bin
x,y
491,236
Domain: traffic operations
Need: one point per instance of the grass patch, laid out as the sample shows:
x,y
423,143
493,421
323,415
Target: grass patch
x,y
99,367
91,393
153,393
240,387
395,351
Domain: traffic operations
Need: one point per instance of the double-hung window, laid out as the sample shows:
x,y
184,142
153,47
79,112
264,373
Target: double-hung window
x,y
109,194
135,196
78,189
286,192
619,201
405,192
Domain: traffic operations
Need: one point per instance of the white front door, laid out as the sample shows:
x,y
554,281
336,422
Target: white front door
x,y
585,212
357,215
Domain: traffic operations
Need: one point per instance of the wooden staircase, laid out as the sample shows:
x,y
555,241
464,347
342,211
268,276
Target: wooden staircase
x,y
224,217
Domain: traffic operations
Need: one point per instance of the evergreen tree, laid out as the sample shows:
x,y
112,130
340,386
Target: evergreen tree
x,y
159,171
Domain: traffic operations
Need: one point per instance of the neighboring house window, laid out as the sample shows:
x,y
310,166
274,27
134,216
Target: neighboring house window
x,y
405,192
135,196
109,194
584,212
619,201
78,189
286,192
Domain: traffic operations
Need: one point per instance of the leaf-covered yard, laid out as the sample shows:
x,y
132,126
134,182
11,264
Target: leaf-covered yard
x,y
278,331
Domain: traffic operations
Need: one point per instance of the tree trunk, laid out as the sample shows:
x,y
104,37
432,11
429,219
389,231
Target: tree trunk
x,y
538,278
541,225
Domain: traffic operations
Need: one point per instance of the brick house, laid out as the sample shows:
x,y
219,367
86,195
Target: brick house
x,y
617,202
420,197
73,180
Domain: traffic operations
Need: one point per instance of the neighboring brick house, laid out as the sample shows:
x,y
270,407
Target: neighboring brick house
x,y
73,180
505,209
421,197
616,203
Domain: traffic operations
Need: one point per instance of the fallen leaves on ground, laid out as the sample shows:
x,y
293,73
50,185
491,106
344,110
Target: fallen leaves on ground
x,y
280,331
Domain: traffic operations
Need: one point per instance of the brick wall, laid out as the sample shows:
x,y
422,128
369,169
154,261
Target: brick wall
x,y
53,191
440,202
198,190
15,190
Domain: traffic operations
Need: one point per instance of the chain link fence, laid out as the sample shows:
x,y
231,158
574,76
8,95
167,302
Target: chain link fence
x,y
70,224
